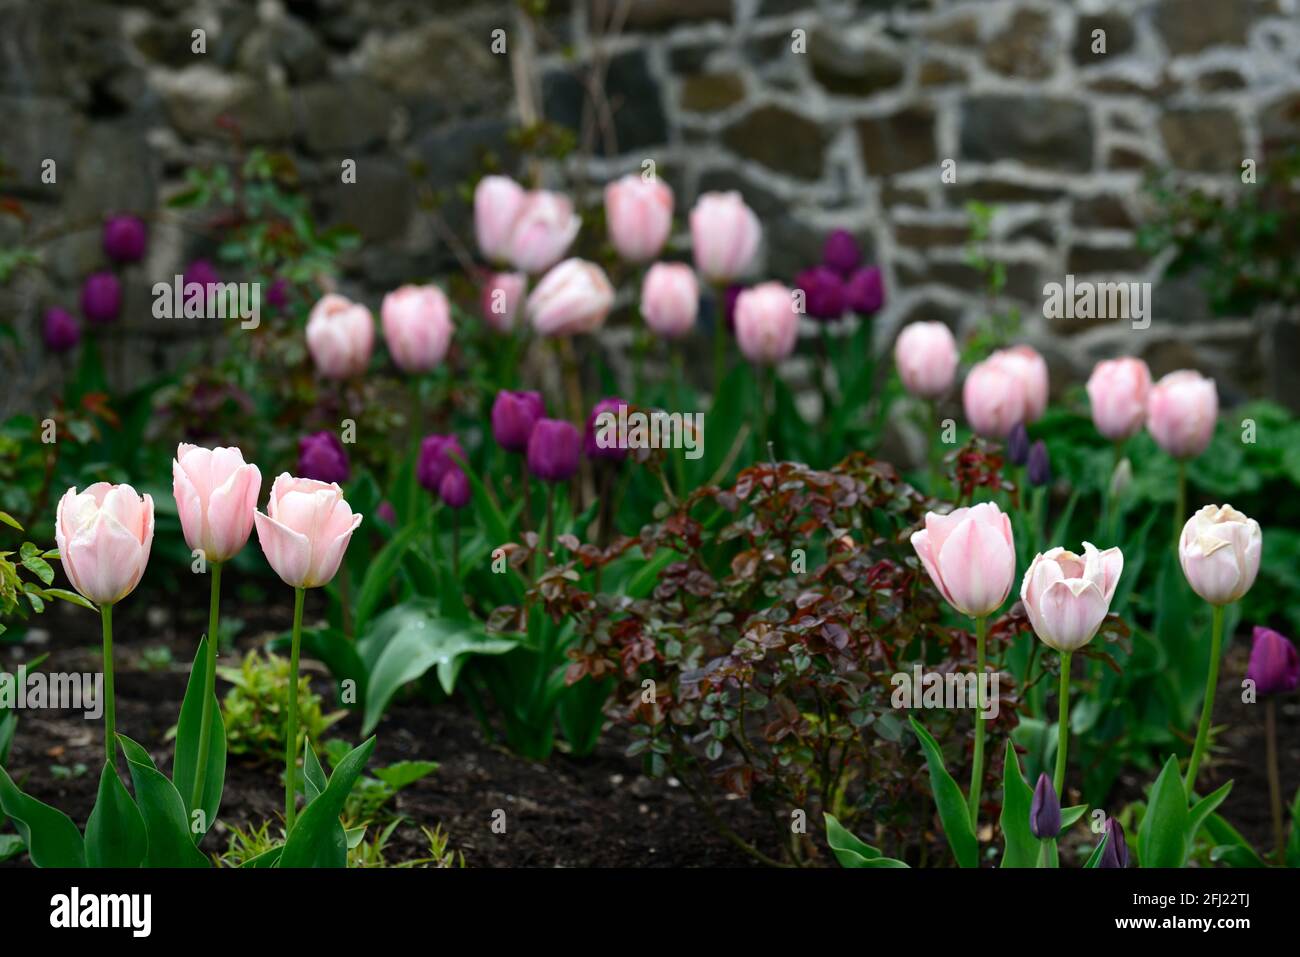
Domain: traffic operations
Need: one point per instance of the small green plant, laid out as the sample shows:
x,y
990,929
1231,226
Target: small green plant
x,y
369,796
257,705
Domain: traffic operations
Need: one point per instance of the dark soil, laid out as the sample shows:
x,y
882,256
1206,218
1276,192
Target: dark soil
x,y
598,811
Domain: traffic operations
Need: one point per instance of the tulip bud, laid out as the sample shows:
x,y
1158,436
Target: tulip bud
x,y
572,298
926,357
513,416
59,330
322,458
385,512
454,488
417,327
1121,479
1067,596
553,450
436,460
1117,396
865,291
1116,852
1219,550
124,239
545,228
840,252
216,495
1182,409
1045,810
725,235
766,324
670,299
1018,445
1040,467
101,297
197,282
104,536
503,293
639,216
497,202
1274,666
340,336
593,448
1007,388
823,291
970,556
305,531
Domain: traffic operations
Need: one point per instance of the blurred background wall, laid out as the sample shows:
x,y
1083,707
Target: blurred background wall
x,y
823,113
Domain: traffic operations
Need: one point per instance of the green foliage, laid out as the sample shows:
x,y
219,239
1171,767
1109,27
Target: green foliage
x,y
256,707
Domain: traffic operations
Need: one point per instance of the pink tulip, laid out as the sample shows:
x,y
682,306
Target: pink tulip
x,y
216,495
639,215
725,235
502,295
926,357
1117,393
1181,413
970,556
417,327
1219,550
767,325
305,530
670,299
497,203
1067,596
1006,389
104,535
573,297
340,336
544,230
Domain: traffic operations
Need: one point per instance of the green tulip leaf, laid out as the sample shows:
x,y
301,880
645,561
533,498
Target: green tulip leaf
x,y
269,858
52,839
1162,837
1231,847
953,812
379,576
1202,809
115,832
186,761
317,838
1021,848
166,820
1069,815
852,852
1094,859
314,780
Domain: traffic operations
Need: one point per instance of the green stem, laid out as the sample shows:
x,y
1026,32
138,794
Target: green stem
x,y
1062,725
719,339
977,768
1181,508
209,691
760,403
110,741
1211,682
1274,780
550,517
291,734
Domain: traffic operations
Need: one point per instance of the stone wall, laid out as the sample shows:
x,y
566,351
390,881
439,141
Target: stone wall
x,y
823,113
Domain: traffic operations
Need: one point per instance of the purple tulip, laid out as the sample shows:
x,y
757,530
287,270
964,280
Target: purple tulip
x,y
824,293
1040,466
729,297
203,274
865,291
454,488
101,297
1116,852
1045,810
385,512
322,457
513,416
841,252
1274,666
553,450
59,329
124,239
277,294
593,449
436,460
1018,444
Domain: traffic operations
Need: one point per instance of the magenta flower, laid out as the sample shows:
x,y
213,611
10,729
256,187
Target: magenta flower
x,y
553,450
824,292
124,239
841,252
59,330
865,291
1274,665
322,458
594,449
513,416
454,488
101,297
436,460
